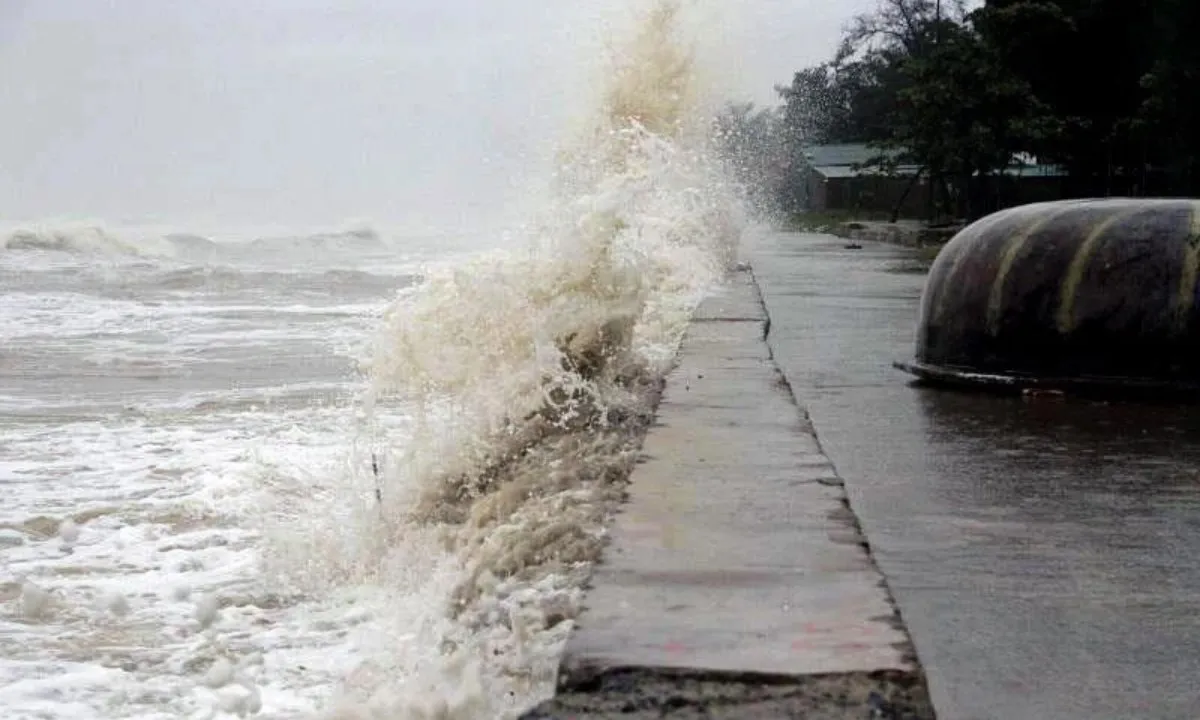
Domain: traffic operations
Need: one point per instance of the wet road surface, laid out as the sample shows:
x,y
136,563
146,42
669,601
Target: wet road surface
x,y
1045,555
735,584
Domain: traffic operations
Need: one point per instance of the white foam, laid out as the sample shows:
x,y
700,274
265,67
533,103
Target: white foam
x,y
503,481
156,508
215,543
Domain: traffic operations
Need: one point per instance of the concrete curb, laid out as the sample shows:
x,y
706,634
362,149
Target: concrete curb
x,y
737,583
905,234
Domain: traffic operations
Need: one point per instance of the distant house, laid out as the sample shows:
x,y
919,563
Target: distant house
x,y
839,178
1026,181
836,178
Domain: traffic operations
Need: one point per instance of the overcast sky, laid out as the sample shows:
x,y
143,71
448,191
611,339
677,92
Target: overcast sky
x,y
405,113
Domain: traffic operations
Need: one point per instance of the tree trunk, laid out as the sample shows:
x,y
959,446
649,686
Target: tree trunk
x,y
904,195
947,210
931,201
966,202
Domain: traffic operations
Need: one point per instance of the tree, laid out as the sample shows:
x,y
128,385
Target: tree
x,y
1168,121
904,27
1061,48
835,102
960,93
937,96
848,98
962,114
749,141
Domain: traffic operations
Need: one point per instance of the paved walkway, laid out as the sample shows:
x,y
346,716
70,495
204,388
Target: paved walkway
x,y
737,584
1045,555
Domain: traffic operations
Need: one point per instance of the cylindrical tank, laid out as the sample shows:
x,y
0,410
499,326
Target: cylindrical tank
x,y
1096,292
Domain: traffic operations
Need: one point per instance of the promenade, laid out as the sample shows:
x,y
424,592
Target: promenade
x,y
1043,556
737,583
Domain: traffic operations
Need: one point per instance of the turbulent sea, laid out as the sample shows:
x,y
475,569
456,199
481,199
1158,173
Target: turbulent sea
x,y
344,475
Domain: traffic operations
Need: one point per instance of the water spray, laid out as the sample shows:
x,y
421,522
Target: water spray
x,y
375,472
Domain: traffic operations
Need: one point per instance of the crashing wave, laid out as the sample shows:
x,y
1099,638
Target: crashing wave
x,y
529,379
85,241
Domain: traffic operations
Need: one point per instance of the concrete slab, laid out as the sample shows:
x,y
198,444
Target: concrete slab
x,y
737,583
1045,554
740,300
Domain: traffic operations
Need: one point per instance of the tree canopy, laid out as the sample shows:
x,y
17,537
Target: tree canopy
x,y
1104,89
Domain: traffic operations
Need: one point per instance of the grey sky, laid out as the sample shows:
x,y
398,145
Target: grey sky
x,y
405,113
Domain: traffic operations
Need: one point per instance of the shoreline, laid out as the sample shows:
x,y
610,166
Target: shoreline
x,y
737,582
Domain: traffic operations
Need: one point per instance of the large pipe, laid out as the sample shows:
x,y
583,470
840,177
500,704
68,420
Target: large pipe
x,y
1079,293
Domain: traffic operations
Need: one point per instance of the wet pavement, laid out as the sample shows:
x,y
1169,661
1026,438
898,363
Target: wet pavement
x,y
1045,554
736,584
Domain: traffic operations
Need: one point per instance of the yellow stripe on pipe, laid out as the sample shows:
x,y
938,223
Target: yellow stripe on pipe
x,y
960,253
1079,263
1185,296
1011,249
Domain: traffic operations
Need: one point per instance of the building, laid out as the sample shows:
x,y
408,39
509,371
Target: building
x,y
845,178
836,178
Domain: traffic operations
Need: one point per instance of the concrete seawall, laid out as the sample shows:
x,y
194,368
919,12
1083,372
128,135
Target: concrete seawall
x,y
738,583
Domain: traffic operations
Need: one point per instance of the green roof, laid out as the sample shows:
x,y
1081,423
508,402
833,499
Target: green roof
x,y
841,154
839,160
846,171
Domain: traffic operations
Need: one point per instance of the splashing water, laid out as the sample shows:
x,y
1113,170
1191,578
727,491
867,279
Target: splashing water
x,y
195,529
527,380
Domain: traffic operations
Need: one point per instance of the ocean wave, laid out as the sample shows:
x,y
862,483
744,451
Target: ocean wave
x,y
87,240
226,279
99,241
444,527
531,377
354,240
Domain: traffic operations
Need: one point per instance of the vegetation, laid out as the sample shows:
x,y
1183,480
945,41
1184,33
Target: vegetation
x,y
1104,89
